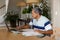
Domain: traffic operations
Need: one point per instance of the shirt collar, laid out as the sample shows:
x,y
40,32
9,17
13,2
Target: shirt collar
x,y
40,18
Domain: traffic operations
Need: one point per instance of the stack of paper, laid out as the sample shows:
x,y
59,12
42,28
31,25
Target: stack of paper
x,y
30,32
15,32
27,30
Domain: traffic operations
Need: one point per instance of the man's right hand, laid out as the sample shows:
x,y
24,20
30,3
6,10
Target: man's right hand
x,y
22,27
18,28
25,27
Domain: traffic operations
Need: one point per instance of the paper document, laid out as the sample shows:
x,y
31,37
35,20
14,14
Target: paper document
x,y
30,32
27,30
16,32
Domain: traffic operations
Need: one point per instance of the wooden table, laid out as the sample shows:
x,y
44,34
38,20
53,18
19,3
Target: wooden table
x,y
5,35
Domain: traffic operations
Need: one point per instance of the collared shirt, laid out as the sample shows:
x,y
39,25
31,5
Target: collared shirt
x,y
41,24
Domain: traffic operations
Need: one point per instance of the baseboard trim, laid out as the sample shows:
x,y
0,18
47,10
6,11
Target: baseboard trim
x,y
3,27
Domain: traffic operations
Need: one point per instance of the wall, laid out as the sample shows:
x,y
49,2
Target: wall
x,y
2,12
12,6
2,2
55,11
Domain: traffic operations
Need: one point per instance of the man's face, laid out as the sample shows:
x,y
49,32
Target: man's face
x,y
34,15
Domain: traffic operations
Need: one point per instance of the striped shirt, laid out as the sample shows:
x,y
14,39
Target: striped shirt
x,y
41,24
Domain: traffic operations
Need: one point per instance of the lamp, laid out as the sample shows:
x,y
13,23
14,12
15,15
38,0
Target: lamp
x,y
32,1
21,4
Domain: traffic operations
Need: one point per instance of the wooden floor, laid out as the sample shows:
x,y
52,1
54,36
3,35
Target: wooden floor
x,y
5,35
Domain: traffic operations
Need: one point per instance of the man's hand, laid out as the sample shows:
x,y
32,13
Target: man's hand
x,y
18,27
25,27
38,31
22,27
45,32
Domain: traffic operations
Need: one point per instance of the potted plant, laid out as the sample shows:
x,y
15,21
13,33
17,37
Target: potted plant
x,y
11,18
27,11
45,9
